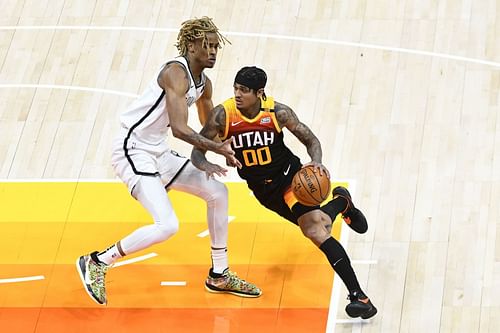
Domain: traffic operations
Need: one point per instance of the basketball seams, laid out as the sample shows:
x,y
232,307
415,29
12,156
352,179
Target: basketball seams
x,y
304,186
320,188
320,185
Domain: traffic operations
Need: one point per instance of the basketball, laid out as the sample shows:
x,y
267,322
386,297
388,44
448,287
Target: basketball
x,y
309,187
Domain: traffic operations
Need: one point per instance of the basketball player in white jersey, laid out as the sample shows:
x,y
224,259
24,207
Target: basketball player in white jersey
x,y
142,159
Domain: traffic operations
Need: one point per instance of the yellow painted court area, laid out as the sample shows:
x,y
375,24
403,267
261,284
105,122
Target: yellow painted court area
x,y
46,226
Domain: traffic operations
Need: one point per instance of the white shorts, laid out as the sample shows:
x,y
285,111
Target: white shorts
x,y
142,160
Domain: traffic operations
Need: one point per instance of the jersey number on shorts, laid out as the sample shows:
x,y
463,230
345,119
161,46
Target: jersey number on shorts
x,y
261,156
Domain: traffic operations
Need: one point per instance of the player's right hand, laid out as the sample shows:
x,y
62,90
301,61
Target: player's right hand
x,y
318,167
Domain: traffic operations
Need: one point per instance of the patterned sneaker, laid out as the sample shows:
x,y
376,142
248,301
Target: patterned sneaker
x,y
360,306
93,275
351,215
230,283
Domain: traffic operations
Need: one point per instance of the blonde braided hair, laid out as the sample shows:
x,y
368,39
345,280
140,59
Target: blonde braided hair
x,y
194,29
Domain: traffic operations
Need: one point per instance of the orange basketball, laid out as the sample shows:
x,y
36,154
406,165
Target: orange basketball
x,y
309,187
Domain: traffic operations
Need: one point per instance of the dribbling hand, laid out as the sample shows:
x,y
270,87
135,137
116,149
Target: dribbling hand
x,y
318,167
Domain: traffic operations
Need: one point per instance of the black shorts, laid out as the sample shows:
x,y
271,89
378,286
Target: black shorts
x,y
270,192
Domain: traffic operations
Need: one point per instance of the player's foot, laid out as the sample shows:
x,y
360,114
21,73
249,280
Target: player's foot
x,y
360,306
230,283
93,275
351,215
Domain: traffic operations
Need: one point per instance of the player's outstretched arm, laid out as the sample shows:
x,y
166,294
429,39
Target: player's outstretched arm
x,y
214,126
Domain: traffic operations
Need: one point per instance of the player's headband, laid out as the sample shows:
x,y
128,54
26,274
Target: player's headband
x,y
251,77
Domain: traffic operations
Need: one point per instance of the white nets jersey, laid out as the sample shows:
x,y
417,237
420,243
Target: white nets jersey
x,y
146,120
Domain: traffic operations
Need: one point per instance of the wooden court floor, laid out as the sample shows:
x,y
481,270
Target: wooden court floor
x,y
45,226
404,96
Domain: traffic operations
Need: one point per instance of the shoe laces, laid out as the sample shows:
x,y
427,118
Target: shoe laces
x,y
98,274
234,281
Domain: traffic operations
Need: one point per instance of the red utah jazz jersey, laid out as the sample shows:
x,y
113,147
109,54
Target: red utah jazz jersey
x,y
258,142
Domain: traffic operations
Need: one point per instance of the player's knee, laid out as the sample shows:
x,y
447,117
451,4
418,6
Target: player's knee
x,y
313,230
218,192
166,230
310,232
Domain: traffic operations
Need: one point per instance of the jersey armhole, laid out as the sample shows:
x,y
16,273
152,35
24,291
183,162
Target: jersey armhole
x,y
185,70
275,121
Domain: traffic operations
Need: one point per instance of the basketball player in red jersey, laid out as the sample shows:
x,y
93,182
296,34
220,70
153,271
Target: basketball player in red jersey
x,y
254,123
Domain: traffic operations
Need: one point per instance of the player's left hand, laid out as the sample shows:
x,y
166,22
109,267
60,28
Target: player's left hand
x,y
233,163
318,167
212,169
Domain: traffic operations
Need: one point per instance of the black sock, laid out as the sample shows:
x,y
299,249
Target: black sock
x,y
334,207
216,275
341,264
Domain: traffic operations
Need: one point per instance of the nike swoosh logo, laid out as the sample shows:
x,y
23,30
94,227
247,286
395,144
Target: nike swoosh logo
x,y
337,261
236,123
286,171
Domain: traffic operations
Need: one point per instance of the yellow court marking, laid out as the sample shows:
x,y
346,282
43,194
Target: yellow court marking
x,y
110,202
66,219
69,219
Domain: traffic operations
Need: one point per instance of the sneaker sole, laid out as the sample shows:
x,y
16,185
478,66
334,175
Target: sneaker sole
x,y
369,315
82,278
231,292
362,315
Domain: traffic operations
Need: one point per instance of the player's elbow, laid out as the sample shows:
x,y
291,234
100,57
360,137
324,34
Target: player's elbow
x,y
178,132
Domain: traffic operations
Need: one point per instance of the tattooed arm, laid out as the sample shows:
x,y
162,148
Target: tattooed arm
x,y
214,127
287,118
175,82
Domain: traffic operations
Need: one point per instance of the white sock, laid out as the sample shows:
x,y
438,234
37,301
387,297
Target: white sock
x,y
110,255
219,260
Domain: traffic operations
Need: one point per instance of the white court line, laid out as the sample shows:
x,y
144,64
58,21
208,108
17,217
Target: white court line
x,y
205,232
131,261
261,35
334,299
23,279
57,86
336,285
173,283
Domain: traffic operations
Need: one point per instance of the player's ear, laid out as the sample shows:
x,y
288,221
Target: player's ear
x,y
190,47
261,94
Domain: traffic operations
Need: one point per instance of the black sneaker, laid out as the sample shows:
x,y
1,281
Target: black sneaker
x,y
360,306
351,215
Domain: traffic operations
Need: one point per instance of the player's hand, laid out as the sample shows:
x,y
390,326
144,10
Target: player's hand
x,y
212,169
229,163
318,167
226,150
